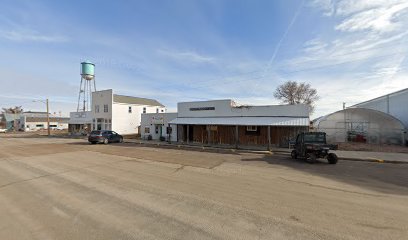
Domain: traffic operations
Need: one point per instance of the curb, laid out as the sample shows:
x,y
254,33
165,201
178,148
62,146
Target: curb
x,y
233,150
374,160
203,148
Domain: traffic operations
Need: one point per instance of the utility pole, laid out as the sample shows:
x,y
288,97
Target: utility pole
x,y
48,118
345,123
48,114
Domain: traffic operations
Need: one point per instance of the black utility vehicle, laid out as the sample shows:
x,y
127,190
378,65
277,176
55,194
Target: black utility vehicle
x,y
104,136
312,145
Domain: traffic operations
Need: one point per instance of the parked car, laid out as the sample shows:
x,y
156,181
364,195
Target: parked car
x,y
313,145
104,136
3,130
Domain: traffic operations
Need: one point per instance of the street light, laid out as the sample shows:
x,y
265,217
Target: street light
x,y
48,114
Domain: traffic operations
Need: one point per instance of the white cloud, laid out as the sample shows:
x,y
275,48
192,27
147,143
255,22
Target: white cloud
x,y
363,57
30,36
380,19
347,7
373,15
187,56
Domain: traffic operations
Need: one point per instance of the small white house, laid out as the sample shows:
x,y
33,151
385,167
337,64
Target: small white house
x,y
119,113
80,122
156,125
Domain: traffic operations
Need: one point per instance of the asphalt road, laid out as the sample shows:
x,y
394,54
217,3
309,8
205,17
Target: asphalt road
x,y
66,189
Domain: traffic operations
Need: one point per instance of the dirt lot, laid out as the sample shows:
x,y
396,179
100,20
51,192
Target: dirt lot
x,y
67,189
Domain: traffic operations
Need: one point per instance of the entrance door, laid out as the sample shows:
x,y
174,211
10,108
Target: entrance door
x,y
99,124
191,133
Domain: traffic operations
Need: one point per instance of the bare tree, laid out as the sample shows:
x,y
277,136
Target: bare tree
x,y
292,93
13,110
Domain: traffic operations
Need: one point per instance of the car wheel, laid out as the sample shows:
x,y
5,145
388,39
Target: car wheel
x,y
92,142
105,141
312,158
293,154
332,158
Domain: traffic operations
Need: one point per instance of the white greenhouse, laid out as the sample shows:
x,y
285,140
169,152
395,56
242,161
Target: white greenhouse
x,y
361,125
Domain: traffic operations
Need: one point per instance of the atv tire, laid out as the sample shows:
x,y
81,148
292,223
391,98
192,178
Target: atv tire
x,y
332,158
293,154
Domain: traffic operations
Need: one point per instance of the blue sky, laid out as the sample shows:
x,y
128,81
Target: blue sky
x,y
188,50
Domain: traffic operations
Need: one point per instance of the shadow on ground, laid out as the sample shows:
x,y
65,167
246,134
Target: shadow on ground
x,y
164,146
382,177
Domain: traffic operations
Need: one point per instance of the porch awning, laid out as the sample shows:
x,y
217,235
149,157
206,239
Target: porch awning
x,y
244,121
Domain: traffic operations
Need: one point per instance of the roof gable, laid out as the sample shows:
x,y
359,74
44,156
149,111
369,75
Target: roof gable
x,y
136,100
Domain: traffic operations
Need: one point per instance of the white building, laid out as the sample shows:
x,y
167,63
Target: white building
x,y
34,123
119,113
80,122
223,122
394,104
156,125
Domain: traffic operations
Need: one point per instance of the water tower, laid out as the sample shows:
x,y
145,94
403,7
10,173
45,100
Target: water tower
x,y
87,86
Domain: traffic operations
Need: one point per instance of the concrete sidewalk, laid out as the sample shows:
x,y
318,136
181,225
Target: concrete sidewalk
x,y
380,157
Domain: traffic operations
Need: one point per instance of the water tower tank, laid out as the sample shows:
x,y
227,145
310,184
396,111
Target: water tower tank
x,y
87,70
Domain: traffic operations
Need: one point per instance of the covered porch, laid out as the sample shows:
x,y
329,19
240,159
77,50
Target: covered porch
x,y
259,132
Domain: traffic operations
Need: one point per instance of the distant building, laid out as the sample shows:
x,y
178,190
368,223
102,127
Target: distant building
x,y
80,122
119,113
155,126
394,104
223,122
34,114
3,122
33,123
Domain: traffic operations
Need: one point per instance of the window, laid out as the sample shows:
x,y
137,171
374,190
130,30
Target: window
x,y
251,128
105,108
157,110
162,110
40,125
96,108
156,129
144,110
130,109
147,130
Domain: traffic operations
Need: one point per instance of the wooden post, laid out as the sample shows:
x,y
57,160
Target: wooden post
x,y
188,134
48,118
208,134
236,137
269,138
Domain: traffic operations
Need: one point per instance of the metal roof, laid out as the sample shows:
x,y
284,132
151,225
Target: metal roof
x,y
244,121
377,98
136,100
44,119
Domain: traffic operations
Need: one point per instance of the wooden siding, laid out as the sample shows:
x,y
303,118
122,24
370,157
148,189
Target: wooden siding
x,y
225,135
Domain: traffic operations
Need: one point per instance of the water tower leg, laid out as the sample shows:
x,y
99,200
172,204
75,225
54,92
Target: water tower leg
x,y
79,95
